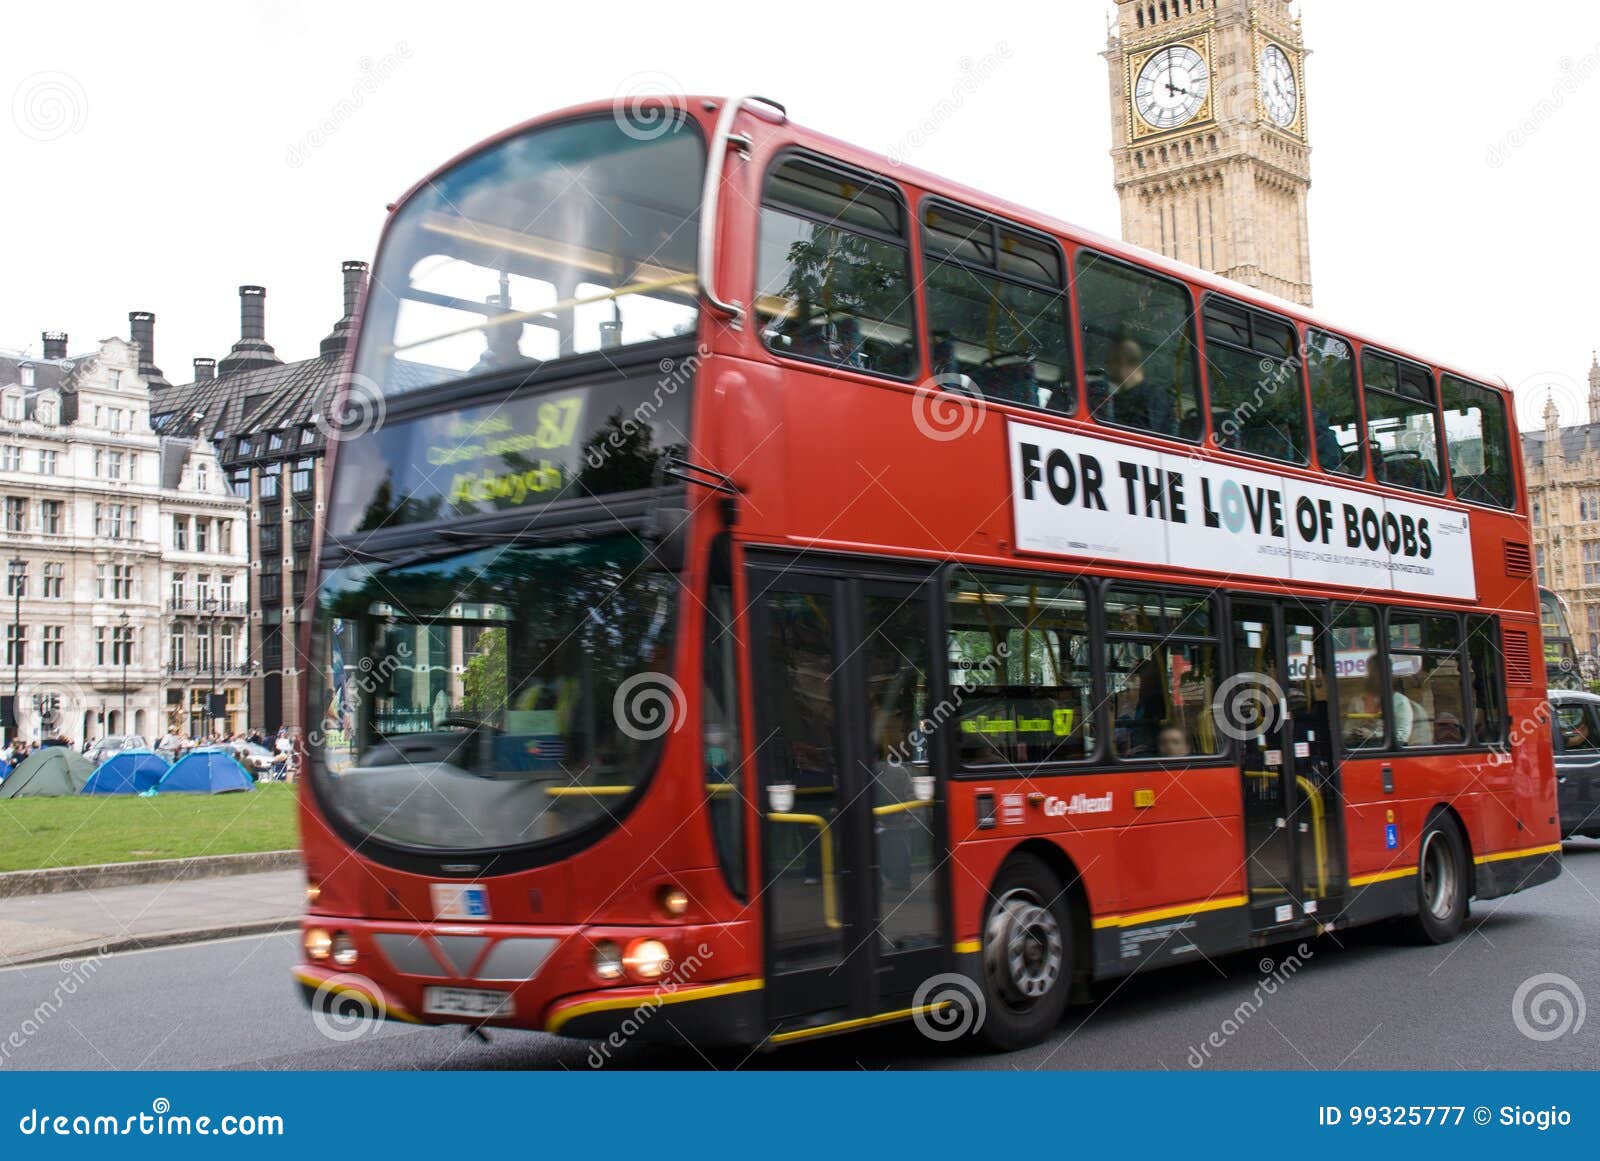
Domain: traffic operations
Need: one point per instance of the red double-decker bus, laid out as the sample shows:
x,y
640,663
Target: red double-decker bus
x,y
766,581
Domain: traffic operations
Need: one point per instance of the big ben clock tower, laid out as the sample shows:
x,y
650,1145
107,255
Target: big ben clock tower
x,y
1208,124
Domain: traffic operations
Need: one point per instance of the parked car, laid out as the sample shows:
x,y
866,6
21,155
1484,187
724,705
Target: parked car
x,y
114,744
1575,725
256,759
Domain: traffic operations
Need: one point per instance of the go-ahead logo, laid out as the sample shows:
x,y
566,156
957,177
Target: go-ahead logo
x,y
1078,804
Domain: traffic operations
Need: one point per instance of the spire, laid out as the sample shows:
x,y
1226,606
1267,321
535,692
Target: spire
x,y
1552,425
1594,387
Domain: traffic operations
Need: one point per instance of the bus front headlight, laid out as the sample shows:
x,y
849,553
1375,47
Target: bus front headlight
x,y
647,959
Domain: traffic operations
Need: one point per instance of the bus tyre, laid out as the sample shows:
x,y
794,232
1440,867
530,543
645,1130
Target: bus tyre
x,y
1442,877
1027,954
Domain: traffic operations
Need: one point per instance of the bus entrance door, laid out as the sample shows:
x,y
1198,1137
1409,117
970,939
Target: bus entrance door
x,y
851,812
1276,708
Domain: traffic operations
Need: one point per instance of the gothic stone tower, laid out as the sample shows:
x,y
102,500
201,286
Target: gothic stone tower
x,y
1209,138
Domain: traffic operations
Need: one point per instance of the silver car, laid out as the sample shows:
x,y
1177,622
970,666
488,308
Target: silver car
x,y
114,744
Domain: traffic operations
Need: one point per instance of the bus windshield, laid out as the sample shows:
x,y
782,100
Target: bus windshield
x,y
492,698
567,239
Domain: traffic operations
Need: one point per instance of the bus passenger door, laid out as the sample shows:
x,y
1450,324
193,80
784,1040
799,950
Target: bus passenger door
x,y
851,827
1278,712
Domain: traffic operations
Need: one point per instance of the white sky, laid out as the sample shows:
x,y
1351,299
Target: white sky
x,y
165,180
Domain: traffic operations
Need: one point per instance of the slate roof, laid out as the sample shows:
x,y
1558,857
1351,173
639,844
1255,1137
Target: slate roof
x,y
1577,441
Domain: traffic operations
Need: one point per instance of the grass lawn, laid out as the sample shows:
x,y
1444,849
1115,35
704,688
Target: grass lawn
x,y
85,829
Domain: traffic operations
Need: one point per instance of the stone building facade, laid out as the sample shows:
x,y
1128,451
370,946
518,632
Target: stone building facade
x,y
88,494
1563,470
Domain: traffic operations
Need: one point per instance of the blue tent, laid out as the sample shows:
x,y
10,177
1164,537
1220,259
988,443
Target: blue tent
x,y
127,772
208,770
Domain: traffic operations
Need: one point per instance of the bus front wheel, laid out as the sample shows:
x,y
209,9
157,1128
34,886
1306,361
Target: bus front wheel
x,y
1442,882
1027,954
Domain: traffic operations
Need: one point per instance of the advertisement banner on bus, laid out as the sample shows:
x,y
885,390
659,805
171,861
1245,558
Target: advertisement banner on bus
x,y
1074,495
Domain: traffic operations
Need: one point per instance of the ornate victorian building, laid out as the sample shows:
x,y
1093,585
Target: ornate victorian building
x,y
91,501
1563,469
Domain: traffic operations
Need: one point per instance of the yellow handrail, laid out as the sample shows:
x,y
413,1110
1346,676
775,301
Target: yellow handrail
x,y
898,807
1319,839
566,304
830,913
1318,824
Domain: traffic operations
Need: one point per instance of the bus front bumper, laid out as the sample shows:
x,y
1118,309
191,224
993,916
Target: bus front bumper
x,y
537,979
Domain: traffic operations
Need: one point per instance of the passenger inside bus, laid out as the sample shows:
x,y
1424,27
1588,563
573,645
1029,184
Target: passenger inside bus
x,y
502,341
1122,394
1173,742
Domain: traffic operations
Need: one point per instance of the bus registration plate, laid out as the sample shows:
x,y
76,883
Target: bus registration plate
x,y
476,1002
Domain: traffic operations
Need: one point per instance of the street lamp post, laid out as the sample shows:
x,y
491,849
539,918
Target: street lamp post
x,y
18,568
127,648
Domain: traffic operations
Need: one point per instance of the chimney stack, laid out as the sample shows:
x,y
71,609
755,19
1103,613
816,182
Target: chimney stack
x,y
142,330
355,281
252,312
205,370
252,350
55,344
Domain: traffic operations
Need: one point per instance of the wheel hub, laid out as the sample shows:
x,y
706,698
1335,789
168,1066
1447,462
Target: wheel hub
x,y
1023,948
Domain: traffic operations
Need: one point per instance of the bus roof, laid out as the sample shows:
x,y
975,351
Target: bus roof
x,y
704,106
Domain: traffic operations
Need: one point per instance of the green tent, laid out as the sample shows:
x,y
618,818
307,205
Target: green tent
x,y
46,773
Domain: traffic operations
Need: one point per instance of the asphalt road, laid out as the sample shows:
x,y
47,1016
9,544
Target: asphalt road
x,y
1361,1001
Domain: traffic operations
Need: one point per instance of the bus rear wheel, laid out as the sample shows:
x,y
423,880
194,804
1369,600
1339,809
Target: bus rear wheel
x,y
1027,954
1442,883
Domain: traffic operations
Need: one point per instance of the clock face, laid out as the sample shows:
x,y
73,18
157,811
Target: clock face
x,y
1171,87
1280,95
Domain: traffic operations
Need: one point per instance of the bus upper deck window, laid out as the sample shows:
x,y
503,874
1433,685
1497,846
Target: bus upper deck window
x,y
997,310
1254,375
1138,349
833,282
1402,424
1478,442
1335,409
